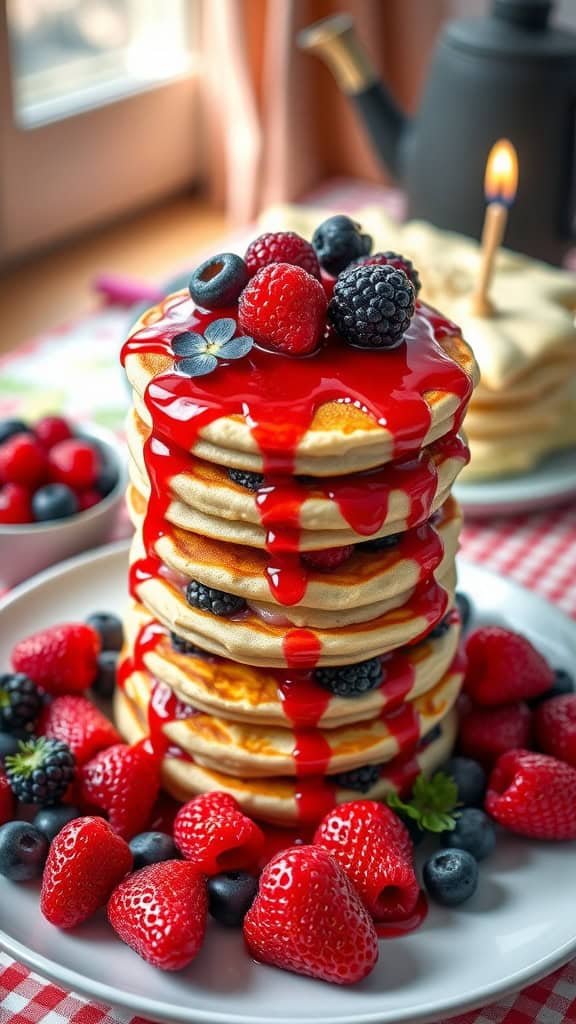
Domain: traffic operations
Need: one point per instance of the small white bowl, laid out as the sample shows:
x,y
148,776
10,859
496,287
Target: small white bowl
x,y
30,547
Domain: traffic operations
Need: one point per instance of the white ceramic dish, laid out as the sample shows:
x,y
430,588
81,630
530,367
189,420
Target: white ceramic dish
x,y
517,928
550,484
28,548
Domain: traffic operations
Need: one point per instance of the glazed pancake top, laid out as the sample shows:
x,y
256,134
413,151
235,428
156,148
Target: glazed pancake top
x,y
275,696
254,751
336,410
285,801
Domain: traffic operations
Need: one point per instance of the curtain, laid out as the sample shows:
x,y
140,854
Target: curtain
x,y
275,122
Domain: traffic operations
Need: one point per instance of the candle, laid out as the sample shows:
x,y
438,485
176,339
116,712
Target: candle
x,y
500,183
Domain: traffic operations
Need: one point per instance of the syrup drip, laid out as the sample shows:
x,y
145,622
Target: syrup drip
x,y
163,708
302,648
147,639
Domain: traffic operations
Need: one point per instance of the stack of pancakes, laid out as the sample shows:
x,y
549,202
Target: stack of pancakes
x,y
252,693
525,405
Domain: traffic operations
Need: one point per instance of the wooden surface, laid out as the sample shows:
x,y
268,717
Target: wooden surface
x,y
57,286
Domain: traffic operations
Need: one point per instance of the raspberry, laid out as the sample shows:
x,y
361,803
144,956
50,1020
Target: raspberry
x,y
242,477
20,701
485,733
51,430
350,680
212,832
281,247
75,463
534,795
391,259
504,667
22,461
555,727
329,558
373,847
372,306
338,241
283,308
41,771
361,779
208,599
15,504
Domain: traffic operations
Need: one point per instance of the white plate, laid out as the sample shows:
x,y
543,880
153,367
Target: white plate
x,y
552,483
518,927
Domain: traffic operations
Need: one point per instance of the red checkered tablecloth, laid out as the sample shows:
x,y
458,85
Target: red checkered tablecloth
x,y
538,551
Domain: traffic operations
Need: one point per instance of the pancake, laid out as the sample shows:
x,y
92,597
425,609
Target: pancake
x,y
336,435
355,507
244,693
283,801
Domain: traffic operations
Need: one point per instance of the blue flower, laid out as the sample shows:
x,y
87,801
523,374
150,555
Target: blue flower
x,y
198,354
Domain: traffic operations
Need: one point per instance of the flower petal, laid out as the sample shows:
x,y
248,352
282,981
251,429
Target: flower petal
x,y
188,344
236,348
219,331
198,366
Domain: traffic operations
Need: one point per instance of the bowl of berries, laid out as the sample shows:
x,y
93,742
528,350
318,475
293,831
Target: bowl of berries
x,y
61,489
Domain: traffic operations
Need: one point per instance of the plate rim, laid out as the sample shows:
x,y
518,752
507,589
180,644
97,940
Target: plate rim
x,y
478,499
144,1005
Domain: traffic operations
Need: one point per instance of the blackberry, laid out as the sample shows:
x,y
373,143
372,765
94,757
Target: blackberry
x,y
182,646
371,307
391,259
20,701
208,599
381,543
218,281
440,629
361,779
338,241
41,771
350,680
242,477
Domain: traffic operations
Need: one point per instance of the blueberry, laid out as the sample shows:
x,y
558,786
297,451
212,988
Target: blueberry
x,y
108,476
562,686
151,848
464,606
8,428
451,876
230,897
218,281
23,851
105,681
54,501
8,744
470,779
473,832
109,629
50,820
338,241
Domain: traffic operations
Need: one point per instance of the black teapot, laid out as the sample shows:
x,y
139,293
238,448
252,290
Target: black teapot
x,y
509,75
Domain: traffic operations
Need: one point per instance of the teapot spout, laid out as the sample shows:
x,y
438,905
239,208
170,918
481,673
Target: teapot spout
x,y
334,40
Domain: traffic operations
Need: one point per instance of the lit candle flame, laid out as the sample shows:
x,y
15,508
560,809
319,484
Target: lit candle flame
x,y
501,179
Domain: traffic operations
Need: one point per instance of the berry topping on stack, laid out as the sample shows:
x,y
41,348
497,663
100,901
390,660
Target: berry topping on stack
x,y
372,306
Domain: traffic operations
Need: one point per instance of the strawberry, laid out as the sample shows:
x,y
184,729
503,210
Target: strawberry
x,y
283,308
328,558
22,461
534,795
212,833
124,782
485,733
15,504
308,918
75,463
555,728
160,912
60,659
80,725
373,847
6,800
504,667
86,861
281,247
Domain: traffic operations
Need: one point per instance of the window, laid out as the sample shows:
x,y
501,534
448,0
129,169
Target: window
x,y
97,108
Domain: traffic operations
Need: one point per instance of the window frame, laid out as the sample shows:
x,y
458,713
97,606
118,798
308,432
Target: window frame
x,y
63,177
